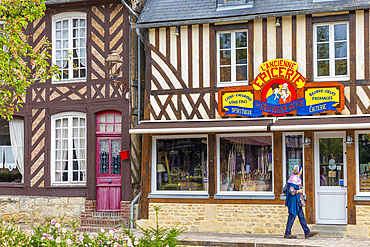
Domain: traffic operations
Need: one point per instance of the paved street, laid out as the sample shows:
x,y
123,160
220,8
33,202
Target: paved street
x,y
241,240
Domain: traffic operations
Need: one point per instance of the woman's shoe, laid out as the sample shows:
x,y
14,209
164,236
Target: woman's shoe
x,y
311,234
290,236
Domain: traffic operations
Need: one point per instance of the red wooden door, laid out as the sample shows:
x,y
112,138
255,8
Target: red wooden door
x,y
108,170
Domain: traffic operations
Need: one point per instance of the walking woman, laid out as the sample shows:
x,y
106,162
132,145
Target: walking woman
x,y
295,202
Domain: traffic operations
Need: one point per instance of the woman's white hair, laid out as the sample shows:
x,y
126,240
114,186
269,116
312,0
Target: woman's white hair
x,y
295,169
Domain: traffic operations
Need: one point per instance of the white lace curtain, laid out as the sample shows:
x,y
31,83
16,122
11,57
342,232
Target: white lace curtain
x,y
16,129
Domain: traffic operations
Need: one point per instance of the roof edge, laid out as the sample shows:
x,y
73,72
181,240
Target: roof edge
x,y
244,17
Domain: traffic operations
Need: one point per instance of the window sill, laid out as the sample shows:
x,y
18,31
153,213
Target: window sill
x,y
246,197
361,198
319,79
67,187
232,84
172,196
55,81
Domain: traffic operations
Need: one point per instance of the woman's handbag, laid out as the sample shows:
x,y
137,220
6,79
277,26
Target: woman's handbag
x,y
285,189
301,200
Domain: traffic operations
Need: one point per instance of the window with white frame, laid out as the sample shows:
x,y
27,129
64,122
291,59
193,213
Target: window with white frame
x,y
180,165
68,148
293,153
331,52
232,58
363,163
11,150
69,45
245,164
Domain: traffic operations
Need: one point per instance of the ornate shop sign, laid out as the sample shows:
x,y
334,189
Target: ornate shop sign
x,y
279,90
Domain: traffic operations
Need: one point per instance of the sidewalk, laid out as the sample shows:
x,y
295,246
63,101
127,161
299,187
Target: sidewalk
x,y
258,240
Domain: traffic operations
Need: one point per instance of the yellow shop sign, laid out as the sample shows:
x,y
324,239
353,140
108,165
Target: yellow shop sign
x,y
279,90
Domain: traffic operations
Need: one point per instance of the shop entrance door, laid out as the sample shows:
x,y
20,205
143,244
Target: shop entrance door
x,y
330,178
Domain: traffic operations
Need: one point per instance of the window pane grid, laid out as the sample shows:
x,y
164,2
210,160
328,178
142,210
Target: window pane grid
x,y
79,48
110,122
233,57
62,47
331,50
70,150
70,48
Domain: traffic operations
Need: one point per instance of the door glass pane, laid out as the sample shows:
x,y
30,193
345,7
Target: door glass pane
x,y
331,161
293,153
104,157
364,162
116,158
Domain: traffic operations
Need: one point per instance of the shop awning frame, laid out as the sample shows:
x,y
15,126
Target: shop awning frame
x,y
331,122
203,126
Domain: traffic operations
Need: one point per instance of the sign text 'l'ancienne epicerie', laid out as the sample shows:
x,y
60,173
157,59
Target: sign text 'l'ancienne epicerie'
x,y
279,90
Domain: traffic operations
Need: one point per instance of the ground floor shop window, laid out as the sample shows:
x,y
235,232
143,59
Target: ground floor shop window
x,y
180,164
292,153
245,163
11,150
363,161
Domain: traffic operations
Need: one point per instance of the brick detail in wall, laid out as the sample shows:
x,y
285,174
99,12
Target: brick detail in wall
x,y
38,147
92,218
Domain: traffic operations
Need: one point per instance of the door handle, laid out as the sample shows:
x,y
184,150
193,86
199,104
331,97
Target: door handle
x,y
109,181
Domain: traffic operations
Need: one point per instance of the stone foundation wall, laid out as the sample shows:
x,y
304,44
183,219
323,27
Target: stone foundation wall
x,y
36,208
362,227
234,218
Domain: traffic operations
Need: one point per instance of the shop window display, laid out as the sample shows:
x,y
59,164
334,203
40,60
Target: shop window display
x,y
182,164
364,162
246,163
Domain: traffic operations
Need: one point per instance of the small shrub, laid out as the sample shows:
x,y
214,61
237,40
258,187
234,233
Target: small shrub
x,y
62,234
158,236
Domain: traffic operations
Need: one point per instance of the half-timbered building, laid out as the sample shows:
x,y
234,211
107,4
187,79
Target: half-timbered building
x,y
238,92
60,156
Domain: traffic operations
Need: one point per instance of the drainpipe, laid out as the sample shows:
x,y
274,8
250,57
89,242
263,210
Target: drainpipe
x,y
129,9
132,210
139,38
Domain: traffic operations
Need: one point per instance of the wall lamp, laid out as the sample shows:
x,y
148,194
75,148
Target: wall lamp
x,y
307,142
349,141
278,21
114,66
177,31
